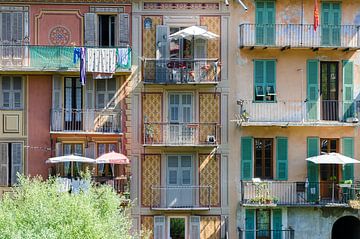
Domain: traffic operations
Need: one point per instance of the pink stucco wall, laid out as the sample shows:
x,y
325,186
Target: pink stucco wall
x,y
39,105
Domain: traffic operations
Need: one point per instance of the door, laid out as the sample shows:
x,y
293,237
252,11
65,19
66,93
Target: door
x,y
180,117
329,90
73,104
329,173
179,181
330,24
263,224
265,23
177,227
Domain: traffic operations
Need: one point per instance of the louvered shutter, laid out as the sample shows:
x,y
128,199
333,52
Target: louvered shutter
x,y
4,162
162,52
259,22
312,89
90,29
348,150
56,116
159,227
58,149
259,79
124,26
277,224
336,21
325,23
270,77
313,146
246,158
89,114
348,89
194,227
17,27
270,21
250,223
16,161
281,158
6,27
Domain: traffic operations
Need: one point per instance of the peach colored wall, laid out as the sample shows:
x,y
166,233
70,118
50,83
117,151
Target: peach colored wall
x,y
39,105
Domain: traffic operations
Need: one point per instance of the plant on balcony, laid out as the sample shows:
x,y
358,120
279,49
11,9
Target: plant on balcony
x,y
345,183
149,133
245,116
262,194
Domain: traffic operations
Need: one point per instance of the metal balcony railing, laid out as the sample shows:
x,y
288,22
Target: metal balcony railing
x,y
180,197
299,35
297,111
86,120
39,58
190,133
297,193
181,71
283,234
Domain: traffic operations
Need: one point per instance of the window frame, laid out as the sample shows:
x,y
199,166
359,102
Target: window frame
x,y
10,160
267,96
112,34
269,214
108,104
12,92
263,160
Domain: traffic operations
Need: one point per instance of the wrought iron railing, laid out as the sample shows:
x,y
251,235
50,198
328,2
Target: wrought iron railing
x,y
297,193
191,133
298,111
180,197
181,71
276,234
299,35
42,58
86,120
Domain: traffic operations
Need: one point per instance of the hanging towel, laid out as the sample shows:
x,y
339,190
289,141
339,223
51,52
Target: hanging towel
x,y
77,55
123,56
82,65
97,75
101,60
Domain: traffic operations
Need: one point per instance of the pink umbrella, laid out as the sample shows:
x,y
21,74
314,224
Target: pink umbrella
x,y
113,158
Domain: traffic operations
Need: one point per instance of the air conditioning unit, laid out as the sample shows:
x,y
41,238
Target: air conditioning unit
x,y
210,139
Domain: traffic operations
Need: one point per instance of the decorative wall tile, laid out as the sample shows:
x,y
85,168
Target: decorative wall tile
x,y
210,227
209,168
150,169
209,113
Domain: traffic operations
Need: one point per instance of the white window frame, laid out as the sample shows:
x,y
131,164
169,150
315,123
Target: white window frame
x,y
186,225
12,93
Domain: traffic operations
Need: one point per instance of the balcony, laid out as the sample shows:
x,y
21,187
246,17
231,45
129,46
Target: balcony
x,y
284,234
86,121
40,58
297,113
283,193
174,71
286,36
181,198
181,134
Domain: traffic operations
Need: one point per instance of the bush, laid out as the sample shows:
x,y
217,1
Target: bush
x,y
37,209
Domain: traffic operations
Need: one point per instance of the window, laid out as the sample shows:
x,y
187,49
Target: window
x,y
72,169
105,170
11,162
105,92
263,158
107,30
11,92
264,80
12,27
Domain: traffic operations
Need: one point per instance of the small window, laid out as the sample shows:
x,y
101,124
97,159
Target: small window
x,y
11,92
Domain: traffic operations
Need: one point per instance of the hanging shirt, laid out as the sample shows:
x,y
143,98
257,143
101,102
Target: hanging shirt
x,y
77,54
83,65
123,58
101,60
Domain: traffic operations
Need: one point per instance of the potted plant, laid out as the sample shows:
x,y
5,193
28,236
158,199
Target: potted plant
x,y
245,116
345,183
262,194
149,133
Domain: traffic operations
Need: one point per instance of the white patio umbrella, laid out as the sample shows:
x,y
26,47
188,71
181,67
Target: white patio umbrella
x,y
332,158
70,158
194,32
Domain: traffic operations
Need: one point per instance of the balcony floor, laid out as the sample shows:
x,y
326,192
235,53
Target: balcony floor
x,y
286,124
182,209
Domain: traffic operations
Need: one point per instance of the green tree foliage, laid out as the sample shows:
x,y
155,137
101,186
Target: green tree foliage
x,y
37,209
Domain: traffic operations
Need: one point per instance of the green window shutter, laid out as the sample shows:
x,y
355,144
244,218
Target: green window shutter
x,y
264,79
330,24
270,20
265,22
277,224
259,23
270,76
281,158
246,158
249,223
312,89
348,150
348,89
336,27
325,21
259,79
313,146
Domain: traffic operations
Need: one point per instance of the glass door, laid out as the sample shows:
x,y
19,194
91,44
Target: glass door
x,y
329,92
73,104
329,173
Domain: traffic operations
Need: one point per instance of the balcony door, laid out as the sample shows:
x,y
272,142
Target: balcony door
x,y
179,181
329,90
73,104
265,23
331,24
180,116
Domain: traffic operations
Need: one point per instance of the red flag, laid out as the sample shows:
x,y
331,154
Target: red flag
x,y
316,15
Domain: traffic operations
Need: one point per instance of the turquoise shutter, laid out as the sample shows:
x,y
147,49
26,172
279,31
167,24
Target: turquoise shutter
x,y
313,146
336,21
348,150
270,20
281,158
259,79
348,89
270,76
249,223
259,23
265,22
246,158
312,89
325,21
277,223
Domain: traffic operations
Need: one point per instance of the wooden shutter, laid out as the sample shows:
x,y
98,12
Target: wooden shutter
x,y
16,161
277,223
313,146
4,162
312,89
270,75
325,21
246,158
159,227
57,104
90,153
348,150
250,223
162,52
90,29
58,149
348,89
259,22
17,27
194,227
259,78
281,158
336,21
270,21
6,27
124,32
